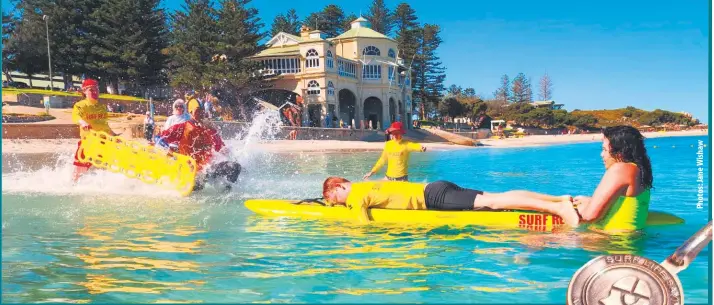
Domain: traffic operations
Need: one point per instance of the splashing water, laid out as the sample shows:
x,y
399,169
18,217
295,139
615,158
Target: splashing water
x,y
51,173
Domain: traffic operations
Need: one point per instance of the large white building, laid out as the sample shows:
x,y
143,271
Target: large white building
x,y
357,76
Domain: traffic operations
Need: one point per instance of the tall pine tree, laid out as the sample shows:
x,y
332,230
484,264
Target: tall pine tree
x,y
407,35
8,27
232,71
503,93
26,46
194,36
380,17
429,81
70,29
330,20
128,39
288,23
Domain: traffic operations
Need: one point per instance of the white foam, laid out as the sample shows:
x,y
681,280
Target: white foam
x,y
56,178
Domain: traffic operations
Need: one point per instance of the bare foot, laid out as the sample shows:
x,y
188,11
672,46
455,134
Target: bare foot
x,y
567,212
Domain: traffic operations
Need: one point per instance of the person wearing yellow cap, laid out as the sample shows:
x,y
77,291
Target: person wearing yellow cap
x,y
396,154
88,113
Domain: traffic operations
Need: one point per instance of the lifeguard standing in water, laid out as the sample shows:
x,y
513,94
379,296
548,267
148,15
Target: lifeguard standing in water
x,y
396,154
89,113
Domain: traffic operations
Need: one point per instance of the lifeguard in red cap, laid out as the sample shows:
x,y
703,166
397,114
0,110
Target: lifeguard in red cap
x,y
89,113
396,154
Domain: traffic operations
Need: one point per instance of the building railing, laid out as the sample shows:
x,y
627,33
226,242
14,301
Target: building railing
x,y
286,65
346,68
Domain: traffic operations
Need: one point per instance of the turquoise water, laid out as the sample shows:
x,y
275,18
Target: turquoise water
x,y
115,241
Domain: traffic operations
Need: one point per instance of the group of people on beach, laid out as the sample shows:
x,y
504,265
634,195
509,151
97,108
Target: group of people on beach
x,y
187,132
620,202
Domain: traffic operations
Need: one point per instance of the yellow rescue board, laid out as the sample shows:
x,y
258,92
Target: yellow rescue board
x,y
138,160
534,221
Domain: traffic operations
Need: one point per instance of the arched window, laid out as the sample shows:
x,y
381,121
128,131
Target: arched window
x,y
328,59
313,88
371,50
391,53
312,59
330,88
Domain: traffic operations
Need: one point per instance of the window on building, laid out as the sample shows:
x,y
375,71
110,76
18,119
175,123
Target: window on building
x,y
282,65
312,59
328,60
313,88
330,88
391,73
371,50
372,71
346,68
391,53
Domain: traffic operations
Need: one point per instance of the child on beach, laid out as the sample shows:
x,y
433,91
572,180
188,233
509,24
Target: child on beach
x,y
396,154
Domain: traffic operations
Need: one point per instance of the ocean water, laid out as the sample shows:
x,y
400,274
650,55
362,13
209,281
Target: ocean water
x,y
112,240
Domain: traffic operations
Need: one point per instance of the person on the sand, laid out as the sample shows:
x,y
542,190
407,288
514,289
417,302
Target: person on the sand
x,y
439,195
621,200
396,154
202,142
88,113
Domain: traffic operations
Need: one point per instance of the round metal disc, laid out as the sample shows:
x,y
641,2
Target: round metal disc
x,y
624,280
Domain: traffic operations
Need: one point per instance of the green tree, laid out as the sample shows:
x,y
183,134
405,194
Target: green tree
x,y
70,33
8,27
331,20
450,107
231,69
454,90
348,22
470,92
504,92
287,23
194,39
429,80
128,39
26,46
520,89
380,17
407,32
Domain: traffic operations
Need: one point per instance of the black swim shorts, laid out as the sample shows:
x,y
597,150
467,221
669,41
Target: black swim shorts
x,y
444,195
402,178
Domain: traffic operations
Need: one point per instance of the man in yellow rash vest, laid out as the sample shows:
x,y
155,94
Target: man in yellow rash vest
x,y
438,195
396,155
88,113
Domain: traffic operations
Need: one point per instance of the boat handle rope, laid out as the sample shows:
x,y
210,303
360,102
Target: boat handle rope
x,y
315,200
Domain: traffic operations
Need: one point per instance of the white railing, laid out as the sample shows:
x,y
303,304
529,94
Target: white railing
x,y
288,65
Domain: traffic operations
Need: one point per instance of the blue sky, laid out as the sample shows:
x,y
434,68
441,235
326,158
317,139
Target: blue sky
x,y
599,55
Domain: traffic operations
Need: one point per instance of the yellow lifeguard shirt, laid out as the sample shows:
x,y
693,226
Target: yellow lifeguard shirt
x,y
92,112
395,195
396,155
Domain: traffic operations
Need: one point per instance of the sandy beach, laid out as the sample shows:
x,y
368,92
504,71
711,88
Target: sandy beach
x,y
35,146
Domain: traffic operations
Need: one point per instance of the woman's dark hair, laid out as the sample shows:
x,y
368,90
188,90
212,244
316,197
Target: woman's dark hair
x,y
628,145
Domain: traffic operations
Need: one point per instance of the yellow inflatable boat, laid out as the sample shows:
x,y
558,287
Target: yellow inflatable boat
x,y
534,221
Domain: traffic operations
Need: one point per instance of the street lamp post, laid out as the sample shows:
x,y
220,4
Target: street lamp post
x,y
49,55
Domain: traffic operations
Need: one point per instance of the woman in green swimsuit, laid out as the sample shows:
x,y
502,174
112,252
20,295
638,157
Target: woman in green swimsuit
x,y
621,200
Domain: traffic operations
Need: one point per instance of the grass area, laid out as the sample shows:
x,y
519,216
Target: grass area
x,y
61,93
605,116
26,117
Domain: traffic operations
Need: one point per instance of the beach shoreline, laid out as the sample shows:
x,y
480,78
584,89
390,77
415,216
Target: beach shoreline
x,y
62,146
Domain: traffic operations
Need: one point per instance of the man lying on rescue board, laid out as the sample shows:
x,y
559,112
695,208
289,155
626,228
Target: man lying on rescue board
x,y
621,200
